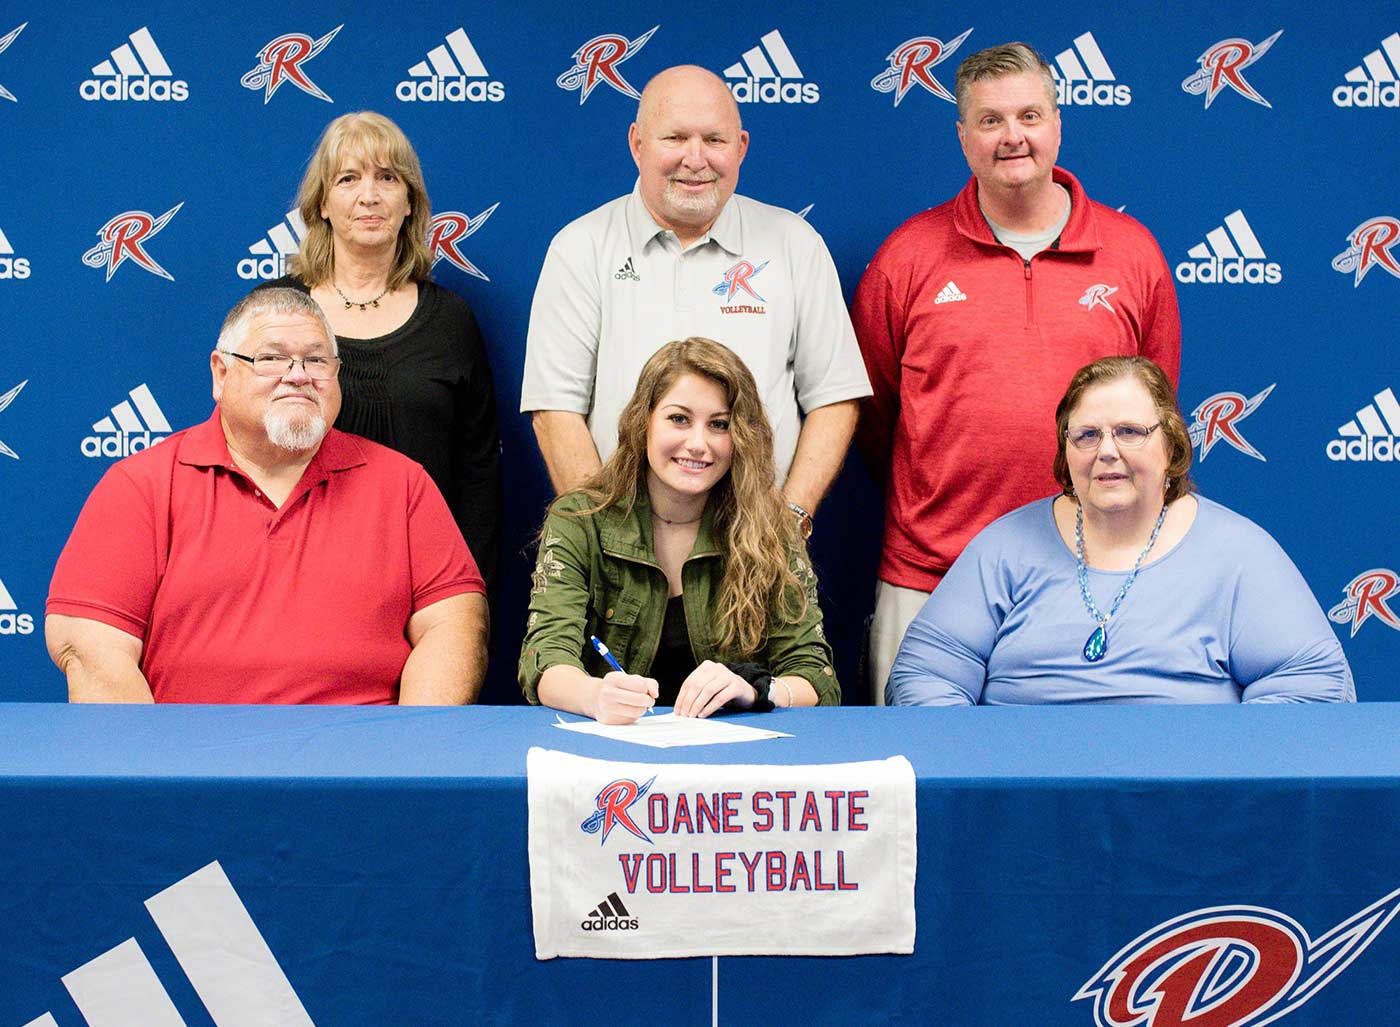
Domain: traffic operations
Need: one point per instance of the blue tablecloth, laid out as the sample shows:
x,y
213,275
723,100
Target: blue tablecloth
x,y
382,854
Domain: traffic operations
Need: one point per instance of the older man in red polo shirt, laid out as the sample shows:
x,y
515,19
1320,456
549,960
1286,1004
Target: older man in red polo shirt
x,y
263,556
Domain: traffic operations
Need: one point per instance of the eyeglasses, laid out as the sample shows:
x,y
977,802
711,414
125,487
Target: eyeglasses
x,y
1125,436
279,365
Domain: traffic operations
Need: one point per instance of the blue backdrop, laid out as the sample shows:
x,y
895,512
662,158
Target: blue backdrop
x,y
162,126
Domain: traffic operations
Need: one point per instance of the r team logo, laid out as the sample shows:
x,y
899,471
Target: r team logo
x,y
737,280
1227,966
1223,64
10,265
1097,296
1371,435
133,426
1375,81
596,61
5,41
137,71
614,809
122,239
910,64
280,61
1083,77
1366,597
1217,420
448,228
762,80
269,255
445,75
1369,246
12,621
1231,255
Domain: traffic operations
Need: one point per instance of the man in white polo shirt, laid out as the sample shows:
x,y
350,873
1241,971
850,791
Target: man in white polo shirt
x,y
681,256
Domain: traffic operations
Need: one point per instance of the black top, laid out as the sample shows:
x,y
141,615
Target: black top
x,y
674,659
426,390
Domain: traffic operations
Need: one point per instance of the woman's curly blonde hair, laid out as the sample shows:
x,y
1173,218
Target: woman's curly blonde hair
x,y
751,522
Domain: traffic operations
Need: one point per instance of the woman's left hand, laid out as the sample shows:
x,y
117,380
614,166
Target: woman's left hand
x,y
709,687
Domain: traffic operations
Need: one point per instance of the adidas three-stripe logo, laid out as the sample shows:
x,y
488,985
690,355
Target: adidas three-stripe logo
x,y
124,60
769,73
124,415
5,248
283,238
1218,242
1093,67
1083,77
1375,82
950,293
453,72
440,62
218,946
1379,417
268,256
611,906
1374,67
1372,435
756,64
1231,255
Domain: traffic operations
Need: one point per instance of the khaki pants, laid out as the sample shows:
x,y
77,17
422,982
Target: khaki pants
x,y
895,608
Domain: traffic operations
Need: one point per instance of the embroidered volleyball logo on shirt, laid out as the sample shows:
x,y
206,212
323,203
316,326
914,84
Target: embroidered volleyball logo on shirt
x,y
1097,296
738,283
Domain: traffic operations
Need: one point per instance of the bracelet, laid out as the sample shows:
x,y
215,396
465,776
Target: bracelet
x,y
792,701
804,520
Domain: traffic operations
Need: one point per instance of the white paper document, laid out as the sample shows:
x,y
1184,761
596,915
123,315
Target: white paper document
x,y
666,730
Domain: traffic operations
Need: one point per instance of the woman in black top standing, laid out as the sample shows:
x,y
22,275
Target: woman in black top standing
x,y
414,372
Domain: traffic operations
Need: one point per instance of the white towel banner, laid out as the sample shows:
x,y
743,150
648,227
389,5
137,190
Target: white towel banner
x,y
659,860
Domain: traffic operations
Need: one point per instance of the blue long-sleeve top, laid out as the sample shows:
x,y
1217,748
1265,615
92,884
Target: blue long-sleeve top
x,y
1223,617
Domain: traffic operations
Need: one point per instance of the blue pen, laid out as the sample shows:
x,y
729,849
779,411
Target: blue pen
x,y
611,660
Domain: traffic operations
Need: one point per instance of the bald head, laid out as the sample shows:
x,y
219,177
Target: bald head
x,y
688,143
685,80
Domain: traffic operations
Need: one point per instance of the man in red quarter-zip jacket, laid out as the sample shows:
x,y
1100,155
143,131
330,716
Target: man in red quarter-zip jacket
x,y
973,316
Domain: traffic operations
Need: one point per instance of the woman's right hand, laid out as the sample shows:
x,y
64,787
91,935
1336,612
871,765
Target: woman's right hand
x,y
624,698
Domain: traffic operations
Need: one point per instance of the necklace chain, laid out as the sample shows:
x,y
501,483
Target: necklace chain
x,y
356,303
1097,645
667,520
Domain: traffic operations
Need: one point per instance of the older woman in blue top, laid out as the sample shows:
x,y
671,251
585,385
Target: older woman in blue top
x,y
1126,588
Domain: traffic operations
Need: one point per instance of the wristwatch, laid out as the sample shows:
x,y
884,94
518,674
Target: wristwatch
x,y
804,520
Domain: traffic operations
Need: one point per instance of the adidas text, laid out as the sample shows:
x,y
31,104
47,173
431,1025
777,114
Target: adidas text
x,y
16,624
142,87
266,268
1230,272
774,91
1368,94
611,923
14,267
1378,448
453,90
119,444
1095,94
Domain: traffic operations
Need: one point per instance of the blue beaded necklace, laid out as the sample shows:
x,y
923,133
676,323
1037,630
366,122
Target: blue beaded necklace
x,y
1096,648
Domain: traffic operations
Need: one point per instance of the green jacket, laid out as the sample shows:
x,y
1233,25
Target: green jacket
x,y
597,575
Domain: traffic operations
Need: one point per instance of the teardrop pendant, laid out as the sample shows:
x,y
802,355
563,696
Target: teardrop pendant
x,y
1097,646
